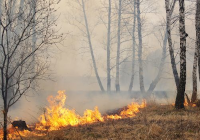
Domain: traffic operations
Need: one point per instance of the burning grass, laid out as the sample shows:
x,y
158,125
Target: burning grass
x,y
57,116
151,121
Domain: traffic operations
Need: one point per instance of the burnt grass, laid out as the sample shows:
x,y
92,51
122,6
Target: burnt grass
x,y
155,122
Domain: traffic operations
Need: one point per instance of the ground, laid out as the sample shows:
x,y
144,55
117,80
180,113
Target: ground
x,y
155,122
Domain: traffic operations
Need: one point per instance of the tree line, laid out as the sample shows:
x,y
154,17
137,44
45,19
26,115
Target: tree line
x,y
124,22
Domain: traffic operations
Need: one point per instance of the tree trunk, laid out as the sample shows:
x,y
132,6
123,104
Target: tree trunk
x,y
161,67
91,48
108,49
141,78
162,62
0,18
198,32
180,98
5,132
133,49
34,39
194,76
196,54
171,50
117,85
5,111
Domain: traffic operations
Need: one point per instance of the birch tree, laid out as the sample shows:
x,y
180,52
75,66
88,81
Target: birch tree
x,y
140,48
194,76
171,50
17,29
164,51
196,53
198,32
90,45
108,47
180,98
133,48
117,85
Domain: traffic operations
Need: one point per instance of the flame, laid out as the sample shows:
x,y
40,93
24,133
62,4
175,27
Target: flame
x,y
133,108
186,104
15,133
56,116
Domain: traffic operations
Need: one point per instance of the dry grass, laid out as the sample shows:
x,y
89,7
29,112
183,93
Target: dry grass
x,y
152,123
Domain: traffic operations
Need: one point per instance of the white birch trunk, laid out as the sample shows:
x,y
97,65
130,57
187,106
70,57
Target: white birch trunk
x,y
91,48
194,76
133,49
171,50
198,32
140,48
108,48
180,98
197,52
117,85
162,62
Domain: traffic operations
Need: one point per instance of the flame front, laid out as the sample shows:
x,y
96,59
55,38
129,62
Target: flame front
x,y
56,116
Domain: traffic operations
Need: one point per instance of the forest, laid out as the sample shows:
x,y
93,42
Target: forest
x,y
99,69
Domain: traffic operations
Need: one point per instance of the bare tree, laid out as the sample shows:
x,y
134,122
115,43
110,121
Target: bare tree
x,y
18,26
171,50
108,48
198,32
117,85
87,33
141,78
180,98
194,76
196,54
164,51
133,47
161,67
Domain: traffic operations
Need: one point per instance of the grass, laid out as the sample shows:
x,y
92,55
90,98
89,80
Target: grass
x,y
155,122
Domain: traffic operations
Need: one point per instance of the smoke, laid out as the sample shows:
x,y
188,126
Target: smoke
x,y
72,71
29,109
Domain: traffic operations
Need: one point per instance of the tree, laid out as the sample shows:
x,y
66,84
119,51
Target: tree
x,y
196,54
161,67
108,47
86,31
194,76
20,22
164,51
133,47
180,98
198,32
142,88
117,85
171,50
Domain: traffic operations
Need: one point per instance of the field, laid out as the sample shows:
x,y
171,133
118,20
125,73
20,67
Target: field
x,y
155,122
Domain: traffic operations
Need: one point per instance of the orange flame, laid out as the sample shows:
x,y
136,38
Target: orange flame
x,y
57,116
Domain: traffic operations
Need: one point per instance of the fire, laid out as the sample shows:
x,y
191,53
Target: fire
x,y
186,104
14,133
56,116
133,108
